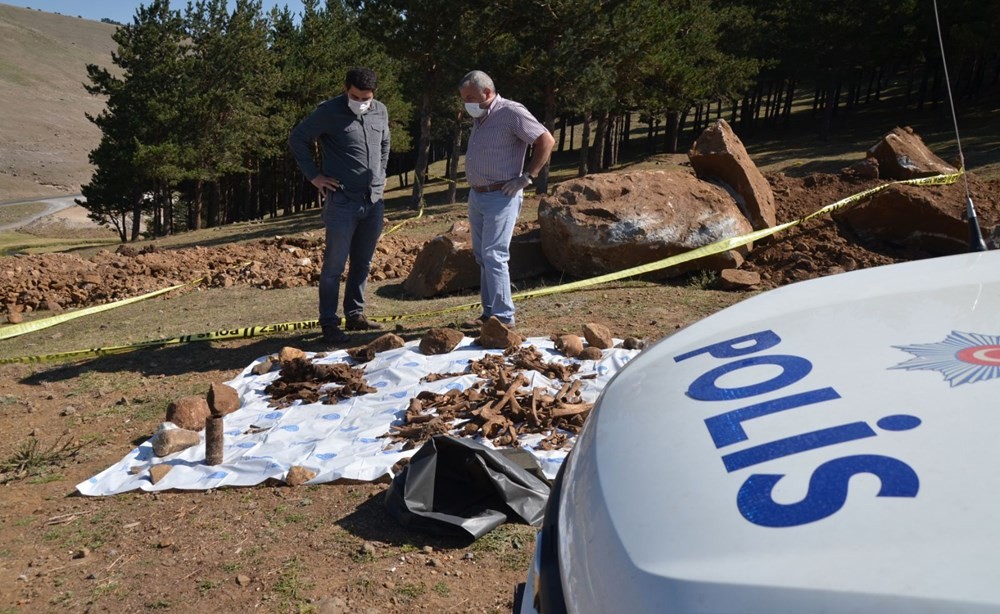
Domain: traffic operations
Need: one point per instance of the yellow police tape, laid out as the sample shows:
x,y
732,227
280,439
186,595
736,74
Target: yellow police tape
x,y
8,332
232,333
27,327
717,247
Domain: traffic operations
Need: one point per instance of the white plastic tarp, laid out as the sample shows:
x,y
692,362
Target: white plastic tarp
x,y
336,441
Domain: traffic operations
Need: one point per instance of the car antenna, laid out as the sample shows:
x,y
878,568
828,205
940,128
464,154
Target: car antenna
x,y
976,243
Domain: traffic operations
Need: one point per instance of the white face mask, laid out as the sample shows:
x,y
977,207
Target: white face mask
x,y
359,108
473,109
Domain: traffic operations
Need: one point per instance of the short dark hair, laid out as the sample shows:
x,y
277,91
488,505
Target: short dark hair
x,y
361,78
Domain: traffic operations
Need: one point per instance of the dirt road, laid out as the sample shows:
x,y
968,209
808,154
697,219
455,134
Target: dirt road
x,y
52,206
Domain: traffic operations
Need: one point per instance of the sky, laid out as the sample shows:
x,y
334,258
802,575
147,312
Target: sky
x,y
121,11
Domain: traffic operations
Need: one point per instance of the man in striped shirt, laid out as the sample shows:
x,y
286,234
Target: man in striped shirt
x,y
502,130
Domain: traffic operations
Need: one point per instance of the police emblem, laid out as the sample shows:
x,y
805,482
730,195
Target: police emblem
x,y
963,358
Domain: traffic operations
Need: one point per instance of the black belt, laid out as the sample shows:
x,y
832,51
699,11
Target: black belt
x,y
493,187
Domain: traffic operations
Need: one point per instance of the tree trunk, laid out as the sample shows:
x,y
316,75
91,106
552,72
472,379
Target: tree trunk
x,y
168,208
194,217
651,136
789,97
584,146
423,151
456,150
542,181
597,150
672,131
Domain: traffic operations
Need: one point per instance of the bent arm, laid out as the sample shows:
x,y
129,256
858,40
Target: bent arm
x,y
300,143
540,152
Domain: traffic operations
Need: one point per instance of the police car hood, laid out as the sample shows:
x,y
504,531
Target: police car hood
x,y
831,445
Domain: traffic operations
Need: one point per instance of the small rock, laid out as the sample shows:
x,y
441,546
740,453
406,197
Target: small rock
x,y
262,367
331,605
598,335
222,399
468,556
69,410
168,441
440,341
298,475
81,553
189,412
158,472
736,279
569,345
428,549
288,354
494,334
367,549
243,580
632,343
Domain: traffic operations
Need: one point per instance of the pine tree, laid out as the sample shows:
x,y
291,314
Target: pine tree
x,y
139,124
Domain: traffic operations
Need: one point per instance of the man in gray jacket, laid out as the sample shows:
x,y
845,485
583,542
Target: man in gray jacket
x,y
353,132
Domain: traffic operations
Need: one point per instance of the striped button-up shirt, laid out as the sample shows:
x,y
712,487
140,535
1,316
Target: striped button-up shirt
x,y
499,141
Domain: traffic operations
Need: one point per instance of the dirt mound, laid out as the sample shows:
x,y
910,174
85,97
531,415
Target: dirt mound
x,y
61,281
812,249
824,247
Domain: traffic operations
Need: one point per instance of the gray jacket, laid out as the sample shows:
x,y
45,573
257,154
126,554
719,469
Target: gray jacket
x,y
355,149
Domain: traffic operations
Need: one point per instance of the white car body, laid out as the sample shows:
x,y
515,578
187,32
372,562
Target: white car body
x,y
829,446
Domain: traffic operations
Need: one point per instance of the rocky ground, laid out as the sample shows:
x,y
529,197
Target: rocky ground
x,y
327,548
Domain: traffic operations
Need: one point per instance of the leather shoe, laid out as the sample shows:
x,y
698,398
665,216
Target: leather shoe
x,y
360,322
333,334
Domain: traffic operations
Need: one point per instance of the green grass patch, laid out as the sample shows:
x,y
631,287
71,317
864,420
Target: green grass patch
x,y
511,544
291,586
105,589
20,243
74,536
34,460
411,590
159,604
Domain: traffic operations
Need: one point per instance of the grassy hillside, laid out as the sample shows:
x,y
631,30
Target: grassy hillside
x,y
45,133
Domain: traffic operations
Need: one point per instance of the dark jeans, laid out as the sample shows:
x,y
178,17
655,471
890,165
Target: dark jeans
x,y
352,230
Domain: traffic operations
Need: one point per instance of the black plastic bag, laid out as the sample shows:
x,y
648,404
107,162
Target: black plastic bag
x,y
456,486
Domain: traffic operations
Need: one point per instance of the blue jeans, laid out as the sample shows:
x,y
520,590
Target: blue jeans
x,y
352,230
492,216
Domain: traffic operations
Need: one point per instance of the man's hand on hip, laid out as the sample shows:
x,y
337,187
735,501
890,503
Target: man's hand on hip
x,y
324,183
515,185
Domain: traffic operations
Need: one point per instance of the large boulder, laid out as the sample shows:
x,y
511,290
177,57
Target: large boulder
x,y
925,218
446,263
605,223
901,154
719,156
